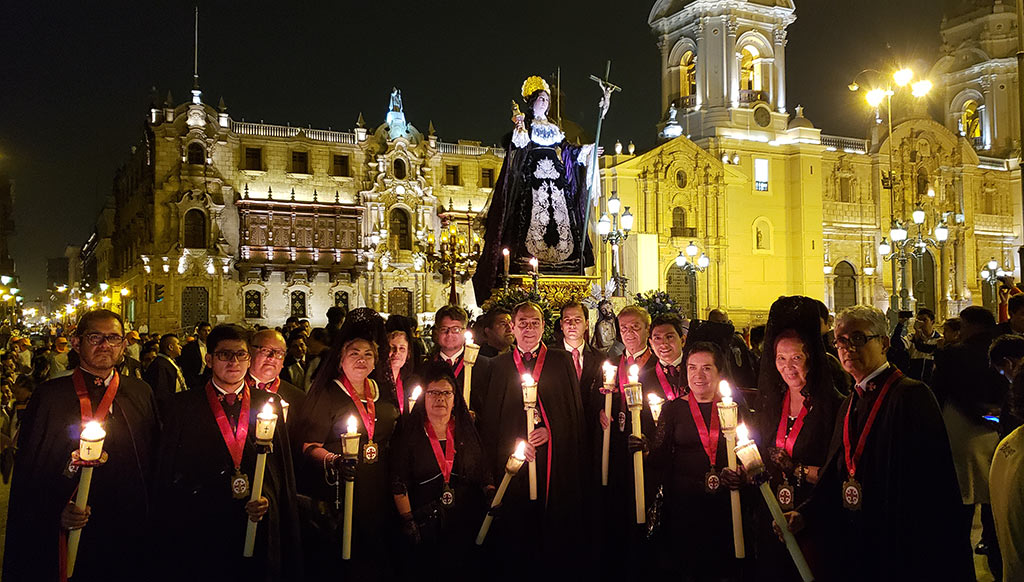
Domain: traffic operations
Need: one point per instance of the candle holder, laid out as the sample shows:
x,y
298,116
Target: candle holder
x,y
635,403
512,467
728,414
266,424
350,454
608,388
530,406
747,451
90,454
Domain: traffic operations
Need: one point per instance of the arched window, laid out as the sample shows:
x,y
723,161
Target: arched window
x,y
196,153
298,304
750,69
846,188
679,222
970,122
399,231
687,76
399,169
194,231
844,287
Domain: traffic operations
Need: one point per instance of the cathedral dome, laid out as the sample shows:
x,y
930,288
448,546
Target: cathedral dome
x,y
800,120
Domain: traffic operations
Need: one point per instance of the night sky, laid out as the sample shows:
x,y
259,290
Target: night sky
x,y
76,77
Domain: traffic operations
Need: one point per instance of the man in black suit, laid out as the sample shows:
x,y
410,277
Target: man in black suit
x,y
192,360
587,361
163,375
450,338
268,350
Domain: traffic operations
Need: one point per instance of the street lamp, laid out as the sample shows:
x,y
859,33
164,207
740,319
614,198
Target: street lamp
x,y
608,229
903,248
991,275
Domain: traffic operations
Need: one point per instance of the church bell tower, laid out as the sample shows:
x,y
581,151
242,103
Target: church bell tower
x,y
723,66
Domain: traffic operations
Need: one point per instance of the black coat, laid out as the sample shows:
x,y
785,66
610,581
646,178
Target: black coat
x,y
192,365
162,377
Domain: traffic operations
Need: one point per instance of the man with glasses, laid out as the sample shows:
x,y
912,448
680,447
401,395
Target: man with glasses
x,y
267,350
163,374
204,478
450,344
556,444
887,504
118,513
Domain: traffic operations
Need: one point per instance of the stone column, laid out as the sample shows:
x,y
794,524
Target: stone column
x,y
731,68
701,63
666,67
779,70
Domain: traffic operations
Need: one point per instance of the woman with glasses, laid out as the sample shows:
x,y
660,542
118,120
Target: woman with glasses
x,y
438,476
795,419
348,392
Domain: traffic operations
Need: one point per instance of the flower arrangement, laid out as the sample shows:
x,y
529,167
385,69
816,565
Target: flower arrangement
x,y
657,302
550,299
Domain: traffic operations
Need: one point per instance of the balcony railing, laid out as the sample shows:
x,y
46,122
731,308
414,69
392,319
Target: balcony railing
x,y
688,102
751,96
461,149
268,130
845,144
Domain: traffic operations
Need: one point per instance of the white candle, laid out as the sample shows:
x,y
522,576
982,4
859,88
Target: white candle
x,y
655,401
728,413
534,264
505,257
607,389
530,405
469,355
266,423
515,462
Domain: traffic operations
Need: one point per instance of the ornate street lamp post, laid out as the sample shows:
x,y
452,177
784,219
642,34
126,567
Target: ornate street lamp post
x,y
903,249
991,275
608,228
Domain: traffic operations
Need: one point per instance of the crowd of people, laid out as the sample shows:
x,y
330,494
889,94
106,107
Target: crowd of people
x,y
878,443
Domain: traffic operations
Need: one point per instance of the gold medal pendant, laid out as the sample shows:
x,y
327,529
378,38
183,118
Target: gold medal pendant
x,y
370,453
239,485
712,481
447,496
853,496
785,494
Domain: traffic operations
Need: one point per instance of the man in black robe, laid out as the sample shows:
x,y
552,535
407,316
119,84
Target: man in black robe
x,y
163,374
554,519
450,338
116,521
896,516
267,349
204,485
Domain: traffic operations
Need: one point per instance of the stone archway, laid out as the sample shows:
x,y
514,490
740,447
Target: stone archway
x,y
844,286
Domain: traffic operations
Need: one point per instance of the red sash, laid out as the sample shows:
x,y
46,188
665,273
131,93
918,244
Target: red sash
x,y
788,441
400,392
709,439
235,442
537,368
445,459
78,378
271,387
670,392
369,412
852,459
624,371
458,368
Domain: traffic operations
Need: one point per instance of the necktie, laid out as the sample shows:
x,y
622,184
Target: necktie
x,y
630,361
229,399
576,362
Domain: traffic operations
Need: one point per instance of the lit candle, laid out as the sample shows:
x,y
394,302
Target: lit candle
x,y
416,391
530,406
90,451
512,466
655,402
728,413
747,451
534,264
469,355
607,389
635,402
505,258
266,422
350,450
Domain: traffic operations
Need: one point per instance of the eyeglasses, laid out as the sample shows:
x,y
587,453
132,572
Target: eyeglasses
x,y
270,352
856,340
530,324
456,329
97,338
440,393
225,356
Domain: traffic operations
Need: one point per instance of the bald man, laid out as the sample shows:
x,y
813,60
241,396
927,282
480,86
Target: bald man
x,y
267,349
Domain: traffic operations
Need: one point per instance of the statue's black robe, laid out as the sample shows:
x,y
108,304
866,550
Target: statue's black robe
x,y
908,527
113,544
554,520
202,527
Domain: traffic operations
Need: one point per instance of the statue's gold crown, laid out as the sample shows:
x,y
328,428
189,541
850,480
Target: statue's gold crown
x,y
534,84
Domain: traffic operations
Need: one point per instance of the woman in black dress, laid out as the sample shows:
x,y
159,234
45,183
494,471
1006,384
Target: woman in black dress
x,y
795,418
319,424
438,475
688,459
398,375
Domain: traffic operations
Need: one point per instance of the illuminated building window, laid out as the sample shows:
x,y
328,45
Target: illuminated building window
x,y
970,123
254,159
300,163
452,176
339,167
194,229
679,227
196,153
760,174
750,69
398,230
688,75
487,178
399,169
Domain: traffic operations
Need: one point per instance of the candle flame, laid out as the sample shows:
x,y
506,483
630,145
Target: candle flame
x,y
520,452
634,374
609,372
416,391
469,337
654,399
93,431
268,410
533,262
742,434
724,389
504,252
352,428
528,380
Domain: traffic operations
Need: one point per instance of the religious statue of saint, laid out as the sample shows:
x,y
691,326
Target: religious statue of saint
x,y
396,99
538,205
606,329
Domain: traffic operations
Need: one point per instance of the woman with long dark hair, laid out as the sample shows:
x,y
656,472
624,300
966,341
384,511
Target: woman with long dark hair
x,y
345,388
438,474
795,418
